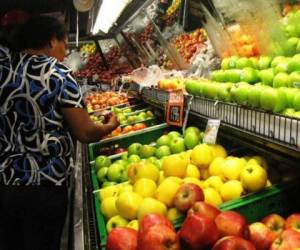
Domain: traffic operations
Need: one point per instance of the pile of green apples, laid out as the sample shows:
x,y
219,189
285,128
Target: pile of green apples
x,y
124,117
111,173
266,83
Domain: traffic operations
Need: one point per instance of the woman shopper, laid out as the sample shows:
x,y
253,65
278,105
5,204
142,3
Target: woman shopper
x,y
40,107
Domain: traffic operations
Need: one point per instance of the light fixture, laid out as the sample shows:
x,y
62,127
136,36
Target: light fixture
x,y
109,12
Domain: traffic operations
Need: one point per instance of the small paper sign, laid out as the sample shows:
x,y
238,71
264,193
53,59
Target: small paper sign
x,y
211,131
175,109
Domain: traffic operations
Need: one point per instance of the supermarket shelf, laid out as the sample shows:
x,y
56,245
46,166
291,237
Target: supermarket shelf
x,y
271,131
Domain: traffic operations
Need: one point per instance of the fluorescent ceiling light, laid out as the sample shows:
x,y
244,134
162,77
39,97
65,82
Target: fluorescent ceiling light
x,y
109,12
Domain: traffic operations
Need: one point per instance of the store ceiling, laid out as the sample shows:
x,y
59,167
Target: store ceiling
x,y
63,8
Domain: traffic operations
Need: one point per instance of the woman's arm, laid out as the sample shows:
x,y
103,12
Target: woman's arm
x,y
83,128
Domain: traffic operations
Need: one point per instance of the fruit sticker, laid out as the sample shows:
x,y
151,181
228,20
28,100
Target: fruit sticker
x,y
175,112
211,132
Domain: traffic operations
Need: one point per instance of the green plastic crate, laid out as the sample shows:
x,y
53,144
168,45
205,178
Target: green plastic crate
x,y
144,136
281,199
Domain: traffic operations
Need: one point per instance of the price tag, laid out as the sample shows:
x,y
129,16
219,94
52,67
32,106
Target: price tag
x,y
211,131
175,109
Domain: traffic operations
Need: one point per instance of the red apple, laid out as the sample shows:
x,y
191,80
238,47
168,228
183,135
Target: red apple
x,y
187,195
233,243
275,222
122,238
231,223
293,222
198,232
159,237
288,240
150,220
204,209
261,236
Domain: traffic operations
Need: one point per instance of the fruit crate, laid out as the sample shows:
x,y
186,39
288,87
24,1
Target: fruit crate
x,y
270,125
281,199
144,136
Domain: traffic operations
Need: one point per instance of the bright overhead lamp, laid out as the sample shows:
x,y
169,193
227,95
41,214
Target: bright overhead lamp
x,y
108,14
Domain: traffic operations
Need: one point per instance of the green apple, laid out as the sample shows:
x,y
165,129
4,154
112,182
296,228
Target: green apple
x,y
254,96
114,222
281,80
296,101
191,140
224,91
115,172
162,151
298,47
291,30
219,76
127,110
147,151
225,63
108,184
232,62
264,62
124,176
291,46
277,60
243,62
101,174
192,129
134,148
254,61
101,162
282,66
239,93
124,163
174,134
124,156
290,95
177,145
233,75
296,114
249,75
210,90
133,158
293,65
266,76
194,87
295,79
164,140
289,112
273,100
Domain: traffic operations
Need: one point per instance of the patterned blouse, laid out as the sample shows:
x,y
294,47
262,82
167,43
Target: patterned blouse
x,y
36,147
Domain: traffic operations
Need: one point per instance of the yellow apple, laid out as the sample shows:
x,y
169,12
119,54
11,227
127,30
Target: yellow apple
x,y
166,191
134,224
161,177
218,151
174,214
176,179
260,161
109,192
175,165
151,206
125,188
108,207
213,182
212,196
192,171
232,168
254,177
128,204
193,180
204,173
116,221
231,190
142,170
189,153
145,187
215,168
202,156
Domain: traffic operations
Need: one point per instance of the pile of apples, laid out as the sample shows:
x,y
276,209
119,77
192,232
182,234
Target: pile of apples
x,y
89,48
127,129
102,100
188,44
266,83
133,118
206,227
171,84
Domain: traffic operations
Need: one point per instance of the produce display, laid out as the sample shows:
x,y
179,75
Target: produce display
x,y
206,227
102,100
127,129
266,83
89,48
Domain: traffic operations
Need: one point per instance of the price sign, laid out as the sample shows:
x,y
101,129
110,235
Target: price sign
x,y
175,109
211,131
